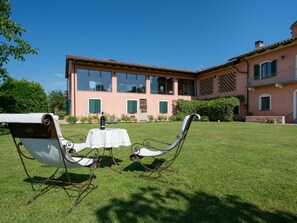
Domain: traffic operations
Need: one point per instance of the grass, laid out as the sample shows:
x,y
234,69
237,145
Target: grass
x,y
227,172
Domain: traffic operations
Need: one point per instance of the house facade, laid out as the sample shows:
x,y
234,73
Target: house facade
x,y
265,79
118,88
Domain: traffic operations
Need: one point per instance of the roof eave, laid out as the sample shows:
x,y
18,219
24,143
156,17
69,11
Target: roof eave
x,y
113,63
265,49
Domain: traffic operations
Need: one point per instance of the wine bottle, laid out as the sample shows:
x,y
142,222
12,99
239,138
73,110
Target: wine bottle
x,y
102,122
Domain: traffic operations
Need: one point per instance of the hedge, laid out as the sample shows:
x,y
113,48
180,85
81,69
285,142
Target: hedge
x,y
220,109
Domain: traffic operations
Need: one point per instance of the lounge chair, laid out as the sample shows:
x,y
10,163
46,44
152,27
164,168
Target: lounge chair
x,y
154,149
41,136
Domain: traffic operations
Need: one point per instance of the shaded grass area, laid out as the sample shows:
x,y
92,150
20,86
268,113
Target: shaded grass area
x,y
227,172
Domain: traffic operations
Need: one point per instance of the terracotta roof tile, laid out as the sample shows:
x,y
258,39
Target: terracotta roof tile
x,y
264,48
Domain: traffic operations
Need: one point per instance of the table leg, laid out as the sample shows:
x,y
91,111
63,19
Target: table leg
x,y
111,155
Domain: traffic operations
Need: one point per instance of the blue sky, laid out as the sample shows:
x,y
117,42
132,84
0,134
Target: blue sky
x,y
186,34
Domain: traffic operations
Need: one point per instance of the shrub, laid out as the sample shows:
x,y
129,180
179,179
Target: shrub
x,y
172,118
178,117
204,119
220,109
133,118
89,120
71,119
162,118
150,118
111,119
61,114
95,119
83,120
125,118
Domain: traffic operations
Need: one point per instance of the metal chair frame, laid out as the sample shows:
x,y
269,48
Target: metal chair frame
x,y
48,131
154,145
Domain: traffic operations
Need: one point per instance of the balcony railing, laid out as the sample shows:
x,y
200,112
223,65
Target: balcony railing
x,y
282,77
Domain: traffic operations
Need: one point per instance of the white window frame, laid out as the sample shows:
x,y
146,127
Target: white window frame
x,y
260,102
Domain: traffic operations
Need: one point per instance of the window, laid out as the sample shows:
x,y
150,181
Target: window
x,y
265,102
132,83
132,106
143,105
94,106
161,85
186,87
265,70
163,107
93,80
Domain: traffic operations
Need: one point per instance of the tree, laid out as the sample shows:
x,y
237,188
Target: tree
x,y
22,96
11,44
56,101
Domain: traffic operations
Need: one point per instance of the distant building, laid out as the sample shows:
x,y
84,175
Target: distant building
x,y
265,78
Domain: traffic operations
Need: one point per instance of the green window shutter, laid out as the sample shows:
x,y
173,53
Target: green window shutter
x,y
98,106
163,107
94,106
132,107
256,72
273,68
68,106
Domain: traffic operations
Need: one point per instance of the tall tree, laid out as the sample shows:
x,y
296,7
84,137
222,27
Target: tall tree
x,y
11,44
22,96
56,101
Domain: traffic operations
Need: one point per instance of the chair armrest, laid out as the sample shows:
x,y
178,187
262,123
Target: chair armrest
x,y
153,143
95,156
79,138
71,144
150,144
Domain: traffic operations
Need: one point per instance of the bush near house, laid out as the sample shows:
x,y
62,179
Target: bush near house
x,y
71,119
220,109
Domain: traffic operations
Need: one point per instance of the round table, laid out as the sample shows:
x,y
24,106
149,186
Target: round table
x,y
108,138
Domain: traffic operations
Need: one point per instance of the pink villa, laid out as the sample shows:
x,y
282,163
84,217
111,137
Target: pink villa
x,y
264,78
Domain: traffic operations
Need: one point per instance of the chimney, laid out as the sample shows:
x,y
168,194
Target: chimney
x,y
259,44
294,30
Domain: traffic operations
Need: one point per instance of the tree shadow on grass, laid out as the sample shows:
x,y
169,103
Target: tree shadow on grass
x,y
152,205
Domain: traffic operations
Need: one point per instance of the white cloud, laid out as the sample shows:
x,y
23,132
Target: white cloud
x,y
59,83
59,75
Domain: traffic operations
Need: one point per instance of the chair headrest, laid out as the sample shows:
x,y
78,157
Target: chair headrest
x,y
187,120
23,118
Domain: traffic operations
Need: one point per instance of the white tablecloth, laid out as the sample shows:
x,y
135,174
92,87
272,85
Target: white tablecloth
x,y
108,138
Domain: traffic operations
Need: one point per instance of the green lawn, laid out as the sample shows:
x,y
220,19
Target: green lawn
x,y
227,172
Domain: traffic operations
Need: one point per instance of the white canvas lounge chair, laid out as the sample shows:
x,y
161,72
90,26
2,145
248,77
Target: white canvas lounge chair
x,y
71,146
41,136
155,149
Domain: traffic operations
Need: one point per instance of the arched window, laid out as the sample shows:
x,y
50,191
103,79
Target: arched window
x,y
265,102
265,69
